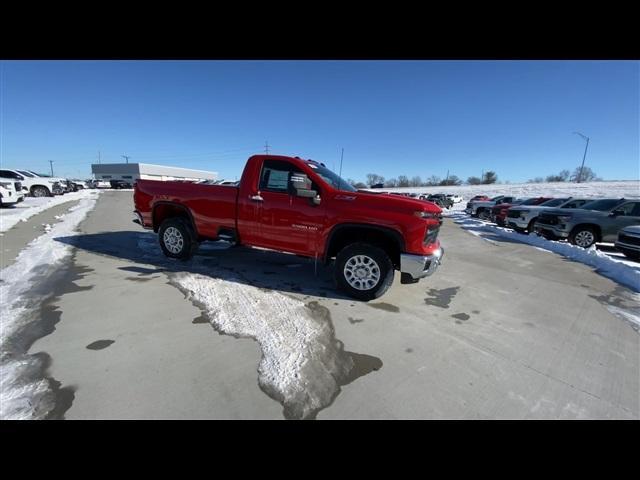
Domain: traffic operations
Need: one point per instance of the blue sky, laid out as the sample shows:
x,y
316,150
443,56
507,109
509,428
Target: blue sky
x,y
392,117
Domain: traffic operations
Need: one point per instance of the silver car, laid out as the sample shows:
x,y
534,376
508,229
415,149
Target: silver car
x,y
628,242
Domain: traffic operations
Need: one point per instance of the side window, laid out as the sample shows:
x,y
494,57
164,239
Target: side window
x,y
627,208
636,210
8,174
275,176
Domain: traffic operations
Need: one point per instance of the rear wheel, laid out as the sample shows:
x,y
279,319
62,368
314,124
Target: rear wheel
x,y
583,237
177,238
40,191
363,271
531,226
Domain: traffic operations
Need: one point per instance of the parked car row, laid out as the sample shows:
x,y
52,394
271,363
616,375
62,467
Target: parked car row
x,y
582,221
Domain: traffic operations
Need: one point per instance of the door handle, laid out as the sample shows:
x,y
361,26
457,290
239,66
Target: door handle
x,y
256,198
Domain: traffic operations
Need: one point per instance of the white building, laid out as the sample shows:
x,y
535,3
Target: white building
x,y
145,171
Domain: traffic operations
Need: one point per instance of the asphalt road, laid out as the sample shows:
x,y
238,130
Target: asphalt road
x,y
502,331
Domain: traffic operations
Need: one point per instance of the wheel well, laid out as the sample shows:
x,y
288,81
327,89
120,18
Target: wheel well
x,y
596,228
36,186
388,240
162,211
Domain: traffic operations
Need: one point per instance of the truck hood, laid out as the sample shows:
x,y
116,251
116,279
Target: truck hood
x,y
389,201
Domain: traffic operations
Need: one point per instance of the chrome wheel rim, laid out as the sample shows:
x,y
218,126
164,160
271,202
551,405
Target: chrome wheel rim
x,y
362,272
39,192
584,239
173,240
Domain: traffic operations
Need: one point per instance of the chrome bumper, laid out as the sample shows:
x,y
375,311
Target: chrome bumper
x,y
419,266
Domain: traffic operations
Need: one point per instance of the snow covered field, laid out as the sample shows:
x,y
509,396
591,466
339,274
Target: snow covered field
x,y
617,189
25,393
9,216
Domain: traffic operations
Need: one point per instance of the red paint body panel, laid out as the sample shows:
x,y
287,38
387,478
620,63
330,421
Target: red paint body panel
x,y
286,222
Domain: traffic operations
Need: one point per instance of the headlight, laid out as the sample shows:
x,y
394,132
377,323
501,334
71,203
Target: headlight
x,y
522,212
564,218
5,184
422,214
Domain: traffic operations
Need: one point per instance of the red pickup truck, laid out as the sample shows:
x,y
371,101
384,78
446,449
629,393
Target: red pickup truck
x,y
299,206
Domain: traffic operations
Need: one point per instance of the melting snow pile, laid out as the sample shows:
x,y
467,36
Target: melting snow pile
x,y
302,365
25,393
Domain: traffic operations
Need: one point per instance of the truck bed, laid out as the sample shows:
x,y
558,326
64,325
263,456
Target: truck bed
x,y
212,206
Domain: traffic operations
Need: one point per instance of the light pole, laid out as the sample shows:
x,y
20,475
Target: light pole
x,y
584,156
51,163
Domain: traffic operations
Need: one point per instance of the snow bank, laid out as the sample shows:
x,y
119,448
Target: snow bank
x,y
625,273
9,216
24,391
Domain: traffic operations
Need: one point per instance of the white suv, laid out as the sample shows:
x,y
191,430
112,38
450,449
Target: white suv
x,y
455,198
10,192
35,185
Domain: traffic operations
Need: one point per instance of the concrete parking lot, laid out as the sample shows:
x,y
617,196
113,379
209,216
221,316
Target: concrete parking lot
x,y
502,331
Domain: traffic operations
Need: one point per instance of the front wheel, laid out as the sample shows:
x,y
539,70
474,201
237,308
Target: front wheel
x,y
40,192
177,239
583,237
484,214
363,271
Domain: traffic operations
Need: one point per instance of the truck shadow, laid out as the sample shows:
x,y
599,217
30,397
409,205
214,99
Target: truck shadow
x,y
256,267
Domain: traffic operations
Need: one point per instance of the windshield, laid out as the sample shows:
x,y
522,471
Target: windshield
x,y
497,198
530,201
26,174
601,205
554,203
331,178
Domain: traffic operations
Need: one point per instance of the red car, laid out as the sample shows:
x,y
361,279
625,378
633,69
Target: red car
x,y
299,206
499,212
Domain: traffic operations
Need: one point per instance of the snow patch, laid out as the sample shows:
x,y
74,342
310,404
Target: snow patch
x,y
303,366
31,206
24,392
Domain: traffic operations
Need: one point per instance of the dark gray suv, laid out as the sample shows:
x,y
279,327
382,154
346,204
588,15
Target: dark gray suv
x,y
597,221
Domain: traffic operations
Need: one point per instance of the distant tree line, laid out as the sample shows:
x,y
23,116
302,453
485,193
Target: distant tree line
x,y
416,181
587,175
489,177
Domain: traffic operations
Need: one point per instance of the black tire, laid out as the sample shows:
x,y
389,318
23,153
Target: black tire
x,y
578,235
40,191
484,214
185,241
532,225
381,261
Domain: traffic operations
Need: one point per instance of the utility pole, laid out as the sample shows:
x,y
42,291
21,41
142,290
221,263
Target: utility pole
x,y
99,159
447,180
51,163
583,157
341,156
482,177
266,147
126,157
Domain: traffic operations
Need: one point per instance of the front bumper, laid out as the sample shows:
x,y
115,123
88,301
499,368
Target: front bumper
x,y
626,246
415,267
544,228
516,222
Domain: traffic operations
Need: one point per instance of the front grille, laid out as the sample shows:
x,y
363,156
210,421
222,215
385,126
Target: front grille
x,y
628,239
468,204
18,186
431,235
513,213
547,219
